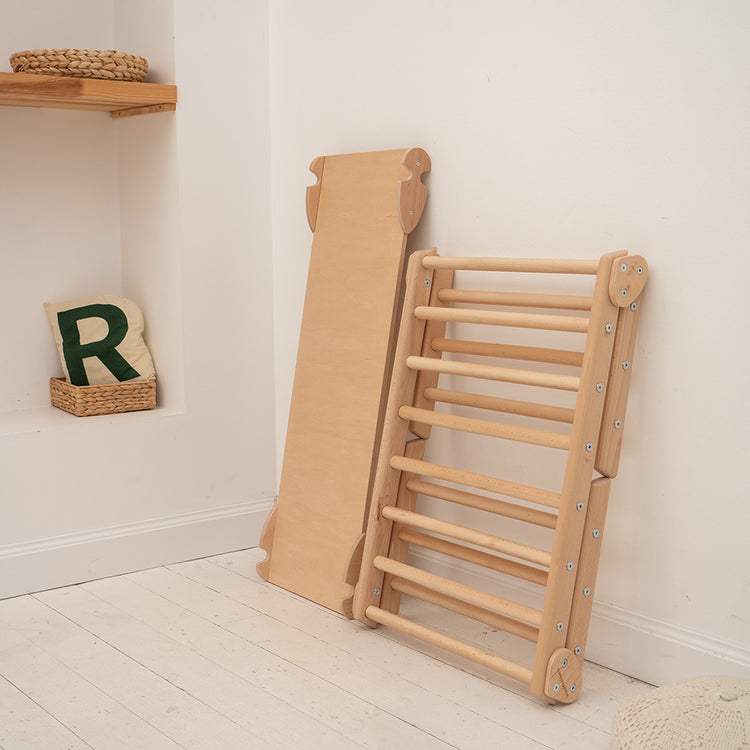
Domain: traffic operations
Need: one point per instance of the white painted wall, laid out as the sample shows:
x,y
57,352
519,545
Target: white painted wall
x,y
172,210
570,130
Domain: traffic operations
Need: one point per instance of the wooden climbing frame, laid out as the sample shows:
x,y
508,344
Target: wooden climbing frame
x,y
590,433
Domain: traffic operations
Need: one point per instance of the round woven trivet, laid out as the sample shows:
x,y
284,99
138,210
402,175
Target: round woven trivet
x,y
81,63
710,713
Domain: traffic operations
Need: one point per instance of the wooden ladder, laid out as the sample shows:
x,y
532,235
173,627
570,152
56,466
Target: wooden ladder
x,y
590,433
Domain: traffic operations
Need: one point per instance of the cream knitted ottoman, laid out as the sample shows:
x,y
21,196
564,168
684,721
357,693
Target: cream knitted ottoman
x,y
710,713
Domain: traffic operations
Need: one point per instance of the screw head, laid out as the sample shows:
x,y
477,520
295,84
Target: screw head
x,y
624,267
419,163
556,687
577,650
625,365
618,424
570,566
377,592
589,447
560,626
579,506
427,282
608,328
599,387
573,688
587,591
564,663
633,306
640,270
596,533
411,213
624,292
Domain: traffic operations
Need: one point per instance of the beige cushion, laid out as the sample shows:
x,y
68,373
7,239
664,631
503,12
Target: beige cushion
x,y
100,340
701,713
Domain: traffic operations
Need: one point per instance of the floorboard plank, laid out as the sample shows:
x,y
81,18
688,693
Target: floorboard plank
x,y
188,722
168,602
272,720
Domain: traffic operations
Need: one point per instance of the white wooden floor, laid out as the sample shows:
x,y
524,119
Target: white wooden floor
x,y
205,655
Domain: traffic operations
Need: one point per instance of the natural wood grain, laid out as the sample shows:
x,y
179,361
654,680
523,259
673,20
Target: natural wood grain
x,y
345,349
394,437
64,92
495,318
516,299
509,351
516,265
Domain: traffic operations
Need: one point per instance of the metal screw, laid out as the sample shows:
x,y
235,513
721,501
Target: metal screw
x,y
599,387
556,687
633,306
640,270
579,506
573,688
624,292
589,447
570,566
419,163
596,533
377,592
564,663
624,267
625,365
411,213
587,591
577,650
618,424
426,282
608,328
560,626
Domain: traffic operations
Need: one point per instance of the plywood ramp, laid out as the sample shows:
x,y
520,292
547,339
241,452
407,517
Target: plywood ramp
x,y
361,211
569,519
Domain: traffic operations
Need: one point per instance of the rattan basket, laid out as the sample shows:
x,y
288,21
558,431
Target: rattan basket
x,y
89,400
81,63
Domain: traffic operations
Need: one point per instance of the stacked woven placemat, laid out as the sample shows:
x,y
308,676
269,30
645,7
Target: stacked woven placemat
x,y
81,63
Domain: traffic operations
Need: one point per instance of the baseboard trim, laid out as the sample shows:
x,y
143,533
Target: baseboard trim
x,y
651,650
43,564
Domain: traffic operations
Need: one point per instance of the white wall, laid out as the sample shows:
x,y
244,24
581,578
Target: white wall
x,y
570,130
172,210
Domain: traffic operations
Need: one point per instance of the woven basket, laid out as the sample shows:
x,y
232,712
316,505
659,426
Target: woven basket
x,y
81,63
89,400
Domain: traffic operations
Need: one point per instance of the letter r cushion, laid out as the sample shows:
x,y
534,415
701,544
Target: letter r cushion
x,y
100,340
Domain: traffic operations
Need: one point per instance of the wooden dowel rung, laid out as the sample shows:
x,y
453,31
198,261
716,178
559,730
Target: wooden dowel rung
x,y
517,265
478,481
454,646
471,536
494,620
480,502
505,405
509,351
495,318
489,429
475,556
488,372
459,591
515,299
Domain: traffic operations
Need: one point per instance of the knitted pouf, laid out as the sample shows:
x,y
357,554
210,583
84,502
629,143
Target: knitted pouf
x,y
710,713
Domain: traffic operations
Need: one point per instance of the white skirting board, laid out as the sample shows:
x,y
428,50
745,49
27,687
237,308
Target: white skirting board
x,y
74,558
628,642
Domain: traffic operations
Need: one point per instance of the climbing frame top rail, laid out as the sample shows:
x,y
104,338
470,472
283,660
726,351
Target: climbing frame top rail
x,y
517,265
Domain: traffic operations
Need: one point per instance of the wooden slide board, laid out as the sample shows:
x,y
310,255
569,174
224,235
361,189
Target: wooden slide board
x,y
361,211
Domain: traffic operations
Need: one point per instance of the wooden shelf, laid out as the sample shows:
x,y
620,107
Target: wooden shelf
x,y
120,98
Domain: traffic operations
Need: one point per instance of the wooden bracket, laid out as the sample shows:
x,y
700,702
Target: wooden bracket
x,y
628,278
149,110
313,191
265,543
352,575
412,193
564,674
